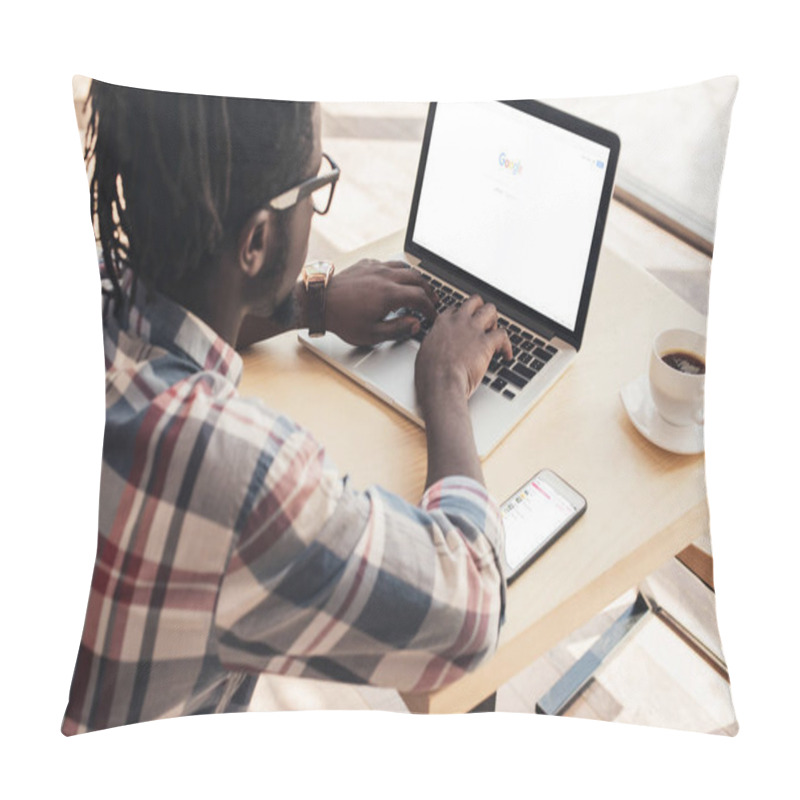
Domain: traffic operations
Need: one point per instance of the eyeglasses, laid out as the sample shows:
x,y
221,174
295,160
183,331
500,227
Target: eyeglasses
x,y
320,188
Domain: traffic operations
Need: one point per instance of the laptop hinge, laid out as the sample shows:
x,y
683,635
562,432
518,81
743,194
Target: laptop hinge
x,y
546,333
537,325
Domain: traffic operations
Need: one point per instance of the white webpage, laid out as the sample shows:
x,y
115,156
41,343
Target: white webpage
x,y
512,200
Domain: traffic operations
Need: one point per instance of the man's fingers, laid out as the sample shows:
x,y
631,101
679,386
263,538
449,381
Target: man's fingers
x,y
397,328
414,298
402,273
501,343
486,316
397,264
472,304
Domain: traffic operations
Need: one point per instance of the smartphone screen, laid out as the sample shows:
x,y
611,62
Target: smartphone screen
x,y
535,515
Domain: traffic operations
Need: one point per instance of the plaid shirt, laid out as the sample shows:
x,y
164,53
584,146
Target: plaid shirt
x,y
229,545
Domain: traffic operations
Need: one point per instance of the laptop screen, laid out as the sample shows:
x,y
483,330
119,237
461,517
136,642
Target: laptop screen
x,y
513,200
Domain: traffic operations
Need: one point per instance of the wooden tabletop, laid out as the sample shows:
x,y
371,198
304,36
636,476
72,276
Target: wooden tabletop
x,y
644,504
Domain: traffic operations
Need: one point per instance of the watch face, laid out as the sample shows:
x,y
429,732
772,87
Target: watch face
x,y
323,268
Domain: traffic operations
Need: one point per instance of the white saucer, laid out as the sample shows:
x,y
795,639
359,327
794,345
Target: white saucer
x,y
683,439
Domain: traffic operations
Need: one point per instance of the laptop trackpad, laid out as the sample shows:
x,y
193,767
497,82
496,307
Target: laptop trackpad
x,y
390,369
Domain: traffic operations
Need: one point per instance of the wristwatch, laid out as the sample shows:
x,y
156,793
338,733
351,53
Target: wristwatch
x,y
315,278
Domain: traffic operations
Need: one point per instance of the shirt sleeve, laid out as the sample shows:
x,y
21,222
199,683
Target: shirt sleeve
x,y
363,587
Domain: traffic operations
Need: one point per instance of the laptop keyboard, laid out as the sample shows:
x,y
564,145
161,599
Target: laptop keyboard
x,y
530,350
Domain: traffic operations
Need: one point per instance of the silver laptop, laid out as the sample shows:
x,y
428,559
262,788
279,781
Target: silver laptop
x,y
510,203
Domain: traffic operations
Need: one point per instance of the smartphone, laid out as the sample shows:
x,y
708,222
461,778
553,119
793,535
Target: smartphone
x,y
535,516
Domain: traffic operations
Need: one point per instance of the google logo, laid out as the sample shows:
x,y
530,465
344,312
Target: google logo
x,y
514,166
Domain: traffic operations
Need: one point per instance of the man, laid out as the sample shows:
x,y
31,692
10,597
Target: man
x,y
228,543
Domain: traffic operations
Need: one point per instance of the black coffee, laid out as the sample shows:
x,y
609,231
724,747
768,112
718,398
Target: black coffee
x,y
684,361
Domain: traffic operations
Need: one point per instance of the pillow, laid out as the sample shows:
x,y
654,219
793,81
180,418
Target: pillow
x,y
238,569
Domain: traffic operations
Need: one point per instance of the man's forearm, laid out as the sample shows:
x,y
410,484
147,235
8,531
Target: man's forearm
x,y
451,443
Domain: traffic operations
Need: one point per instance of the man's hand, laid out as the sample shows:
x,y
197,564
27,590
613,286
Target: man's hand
x,y
456,352
361,296
450,365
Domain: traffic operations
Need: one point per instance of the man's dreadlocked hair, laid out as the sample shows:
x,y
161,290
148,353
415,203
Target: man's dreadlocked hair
x,y
174,176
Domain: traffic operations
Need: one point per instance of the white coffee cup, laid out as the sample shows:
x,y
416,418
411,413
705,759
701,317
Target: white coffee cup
x,y
678,391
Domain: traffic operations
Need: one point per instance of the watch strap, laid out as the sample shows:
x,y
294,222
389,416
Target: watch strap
x,y
315,306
